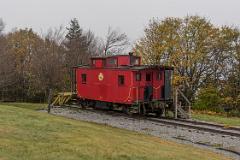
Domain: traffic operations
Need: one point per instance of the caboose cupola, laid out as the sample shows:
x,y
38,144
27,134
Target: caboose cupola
x,y
116,61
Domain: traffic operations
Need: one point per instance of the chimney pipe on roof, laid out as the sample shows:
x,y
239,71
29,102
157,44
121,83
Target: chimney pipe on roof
x,y
130,53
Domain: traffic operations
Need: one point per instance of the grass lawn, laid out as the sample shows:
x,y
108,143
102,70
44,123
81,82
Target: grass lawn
x,y
33,106
29,135
229,121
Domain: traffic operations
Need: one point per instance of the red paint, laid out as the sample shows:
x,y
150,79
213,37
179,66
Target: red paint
x,y
102,80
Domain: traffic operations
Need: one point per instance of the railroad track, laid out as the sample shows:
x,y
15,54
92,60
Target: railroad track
x,y
191,124
198,125
225,127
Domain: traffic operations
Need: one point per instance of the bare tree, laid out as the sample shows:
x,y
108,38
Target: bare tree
x,y
56,35
115,42
2,25
92,43
7,73
6,65
7,69
47,69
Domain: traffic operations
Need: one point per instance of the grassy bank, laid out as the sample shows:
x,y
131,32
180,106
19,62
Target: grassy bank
x,y
229,121
32,106
27,134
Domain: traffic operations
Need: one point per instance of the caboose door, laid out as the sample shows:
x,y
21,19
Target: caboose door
x,y
148,90
167,84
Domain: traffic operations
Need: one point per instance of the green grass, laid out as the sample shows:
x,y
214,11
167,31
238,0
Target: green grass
x,y
29,135
32,106
229,121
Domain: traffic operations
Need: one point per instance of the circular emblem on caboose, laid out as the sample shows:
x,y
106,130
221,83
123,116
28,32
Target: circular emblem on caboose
x,y
100,76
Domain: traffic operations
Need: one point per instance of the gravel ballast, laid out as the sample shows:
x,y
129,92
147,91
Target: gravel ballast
x,y
215,142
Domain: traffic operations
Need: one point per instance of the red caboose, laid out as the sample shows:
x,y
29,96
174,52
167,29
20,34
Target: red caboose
x,y
122,82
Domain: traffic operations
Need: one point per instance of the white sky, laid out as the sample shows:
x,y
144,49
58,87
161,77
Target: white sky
x,y
130,16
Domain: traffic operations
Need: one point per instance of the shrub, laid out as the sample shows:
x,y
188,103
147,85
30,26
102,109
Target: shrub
x,y
208,99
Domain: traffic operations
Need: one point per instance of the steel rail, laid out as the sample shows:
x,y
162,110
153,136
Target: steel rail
x,y
221,126
219,129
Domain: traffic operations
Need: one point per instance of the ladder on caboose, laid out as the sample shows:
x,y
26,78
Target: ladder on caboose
x,y
181,111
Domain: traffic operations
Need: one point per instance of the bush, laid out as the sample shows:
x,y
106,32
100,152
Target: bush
x,y
208,99
234,113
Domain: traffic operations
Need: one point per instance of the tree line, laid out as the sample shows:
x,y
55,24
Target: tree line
x,y
206,59
32,64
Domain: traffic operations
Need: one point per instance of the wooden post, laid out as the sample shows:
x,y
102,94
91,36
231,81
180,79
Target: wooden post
x,y
71,79
189,112
144,109
176,103
49,100
139,108
164,111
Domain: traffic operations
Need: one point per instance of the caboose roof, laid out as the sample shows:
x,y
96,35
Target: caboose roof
x,y
122,63
140,67
110,56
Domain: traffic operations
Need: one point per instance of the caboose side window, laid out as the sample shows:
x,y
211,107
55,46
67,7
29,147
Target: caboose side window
x,y
148,77
120,80
112,61
134,60
138,76
84,78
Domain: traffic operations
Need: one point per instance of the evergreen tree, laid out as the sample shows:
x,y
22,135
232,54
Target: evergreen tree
x,y
74,31
76,45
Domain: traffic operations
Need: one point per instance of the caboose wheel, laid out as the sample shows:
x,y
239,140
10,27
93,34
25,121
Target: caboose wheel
x,y
125,109
143,110
159,113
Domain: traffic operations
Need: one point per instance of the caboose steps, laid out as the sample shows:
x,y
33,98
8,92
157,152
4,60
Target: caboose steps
x,y
181,111
63,98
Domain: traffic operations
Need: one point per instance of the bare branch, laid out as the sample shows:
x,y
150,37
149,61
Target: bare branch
x,y
2,25
115,41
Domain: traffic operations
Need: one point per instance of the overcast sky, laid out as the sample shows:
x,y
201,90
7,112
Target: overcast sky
x,y
130,16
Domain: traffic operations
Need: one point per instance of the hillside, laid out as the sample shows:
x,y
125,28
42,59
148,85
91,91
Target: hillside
x,y
27,134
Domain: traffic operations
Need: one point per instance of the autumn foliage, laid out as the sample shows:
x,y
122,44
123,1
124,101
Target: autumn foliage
x,y
203,55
